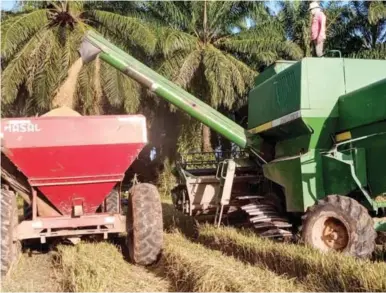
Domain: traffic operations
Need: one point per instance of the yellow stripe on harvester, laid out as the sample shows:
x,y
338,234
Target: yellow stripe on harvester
x,y
343,136
261,128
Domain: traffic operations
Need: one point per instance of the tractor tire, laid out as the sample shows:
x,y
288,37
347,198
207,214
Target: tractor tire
x,y
9,220
144,224
339,223
112,202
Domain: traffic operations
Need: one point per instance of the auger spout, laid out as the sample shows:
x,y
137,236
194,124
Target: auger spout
x,y
94,44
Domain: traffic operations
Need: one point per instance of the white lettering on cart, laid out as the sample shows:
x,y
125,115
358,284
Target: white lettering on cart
x,y
21,126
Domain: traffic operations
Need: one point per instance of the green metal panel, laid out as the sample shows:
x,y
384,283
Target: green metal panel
x,y
273,69
324,80
363,106
372,138
337,173
311,86
301,177
362,72
318,135
312,178
287,173
276,97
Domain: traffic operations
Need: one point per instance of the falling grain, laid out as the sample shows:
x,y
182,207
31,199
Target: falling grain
x,y
65,96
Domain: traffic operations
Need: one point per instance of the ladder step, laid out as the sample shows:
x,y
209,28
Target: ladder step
x,y
281,224
260,219
272,225
250,197
256,206
258,212
276,233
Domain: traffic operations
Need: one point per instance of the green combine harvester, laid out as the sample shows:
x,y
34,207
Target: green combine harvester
x,y
312,158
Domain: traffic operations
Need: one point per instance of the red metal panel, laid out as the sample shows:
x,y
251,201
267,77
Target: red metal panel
x,y
71,158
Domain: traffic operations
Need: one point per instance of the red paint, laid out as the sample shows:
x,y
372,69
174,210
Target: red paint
x,y
74,158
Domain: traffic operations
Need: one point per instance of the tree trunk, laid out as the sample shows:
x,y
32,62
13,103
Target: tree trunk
x,y
206,145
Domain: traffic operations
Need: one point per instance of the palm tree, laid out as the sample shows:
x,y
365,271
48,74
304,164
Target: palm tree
x,y
39,44
295,20
366,26
201,45
357,28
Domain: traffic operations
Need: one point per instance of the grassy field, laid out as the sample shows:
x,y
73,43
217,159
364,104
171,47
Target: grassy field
x,y
95,267
319,272
196,258
194,268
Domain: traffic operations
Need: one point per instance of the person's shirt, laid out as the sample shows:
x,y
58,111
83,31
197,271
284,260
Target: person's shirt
x,y
318,26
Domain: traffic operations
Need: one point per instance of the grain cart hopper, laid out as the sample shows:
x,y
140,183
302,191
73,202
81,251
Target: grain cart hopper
x,y
68,169
315,148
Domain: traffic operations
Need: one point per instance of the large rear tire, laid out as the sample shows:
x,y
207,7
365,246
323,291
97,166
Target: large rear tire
x,y
339,223
9,220
144,224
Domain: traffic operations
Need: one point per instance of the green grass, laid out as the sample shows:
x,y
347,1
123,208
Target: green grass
x,y
193,268
100,267
318,271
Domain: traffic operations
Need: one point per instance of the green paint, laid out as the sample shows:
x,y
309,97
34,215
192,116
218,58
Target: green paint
x,y
380,226
273,69
287,173
363,106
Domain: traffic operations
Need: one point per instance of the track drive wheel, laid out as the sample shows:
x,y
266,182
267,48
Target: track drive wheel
x,y
144,224
9,220
339,223
112,202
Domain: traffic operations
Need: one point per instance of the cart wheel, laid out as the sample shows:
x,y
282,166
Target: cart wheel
x,y
144,224
339,223
112,202
9,220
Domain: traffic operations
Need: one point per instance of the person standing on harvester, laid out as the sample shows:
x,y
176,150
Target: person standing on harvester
x,y
318,28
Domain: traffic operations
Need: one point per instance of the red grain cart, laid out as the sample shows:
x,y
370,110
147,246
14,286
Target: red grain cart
x,y
67,169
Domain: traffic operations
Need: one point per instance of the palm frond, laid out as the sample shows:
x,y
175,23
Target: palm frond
x,y
172,14
169,67
189,68
265,39
130,94
17,70
224,79
110,85
131,29
376,12
84,96
171,41
17,30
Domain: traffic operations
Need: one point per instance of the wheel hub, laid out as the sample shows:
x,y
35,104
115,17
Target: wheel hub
x,y
335,235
